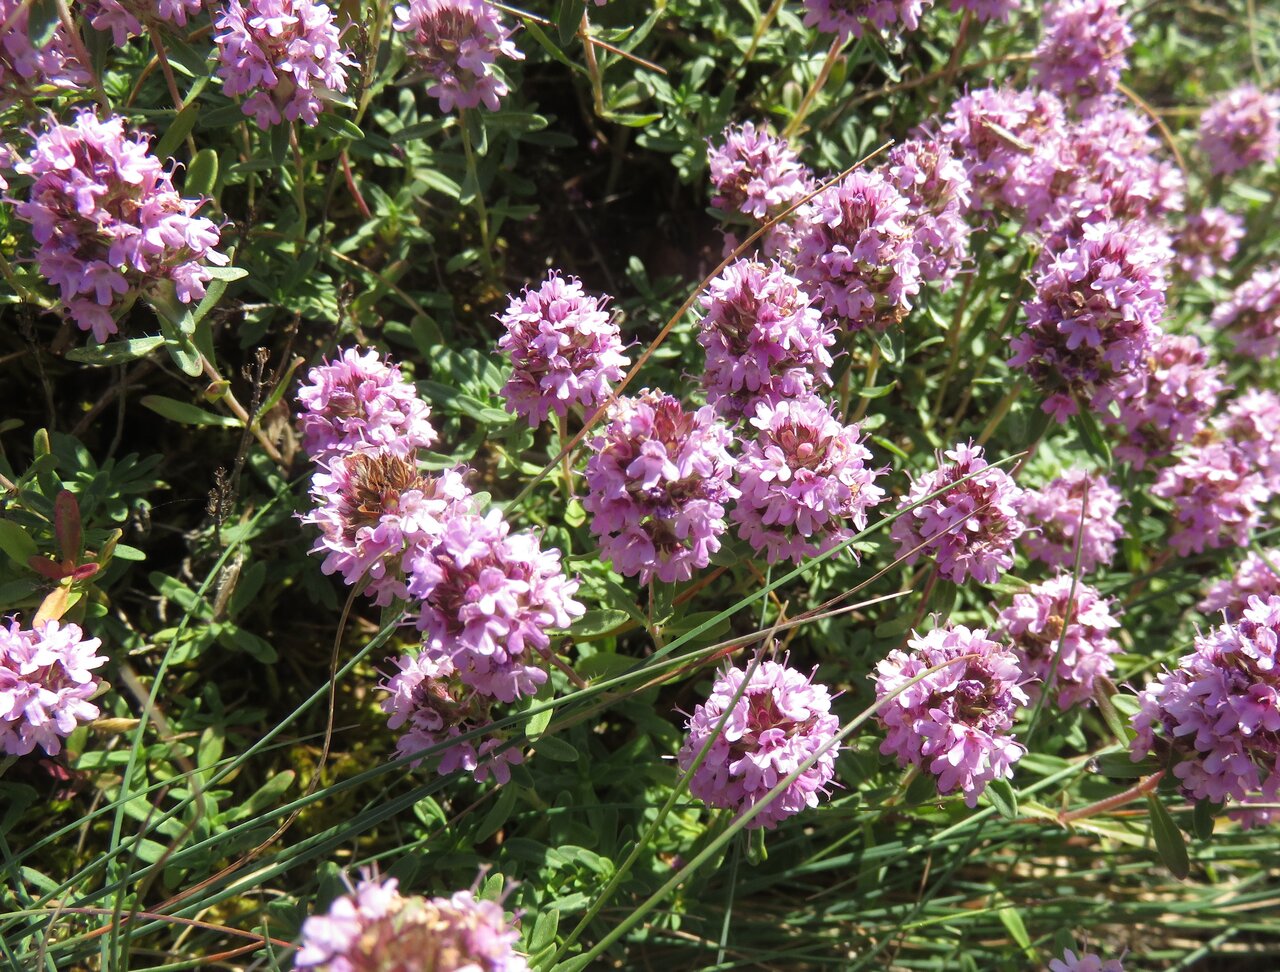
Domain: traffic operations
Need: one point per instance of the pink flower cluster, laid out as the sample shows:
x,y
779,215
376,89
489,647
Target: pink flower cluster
x,y
658,482
765,340
1062,641
376,928
1241,128
1094,318
1208,242
781,720
1251,315
375,512
485,597
429,703
1251,423
26,67
857,251
359,402
457,43
1082,50
850,18
754,172
1217,495
805,480
970,528
988,9
1076,504
938,192
1107,168
1084,962
1219,711
957,722
108,222
133,18
1167,399
565,350
1010,142
288,53
46,682
488,599
1257,576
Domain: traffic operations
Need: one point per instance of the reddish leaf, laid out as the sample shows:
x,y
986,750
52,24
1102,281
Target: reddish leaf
x,y
66,524
48,568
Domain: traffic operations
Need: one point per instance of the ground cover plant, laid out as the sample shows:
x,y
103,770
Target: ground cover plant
x,y
689,485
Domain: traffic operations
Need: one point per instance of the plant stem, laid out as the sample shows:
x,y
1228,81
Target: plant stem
x,y
824,73
1136,792
566,470
762,25
239,412
593,67
873,366
299,192
482,211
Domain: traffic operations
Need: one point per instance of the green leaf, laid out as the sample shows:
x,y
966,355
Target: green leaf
x,y
1001,795
187,413
202,174
497,816
544,930
595,623
227,273
553,747
1091,436
1011,918
16,544
178,130
338,127
117,352
1202,818
1170,843
42,22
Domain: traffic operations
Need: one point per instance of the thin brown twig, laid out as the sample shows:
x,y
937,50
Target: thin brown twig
x,y
1154,115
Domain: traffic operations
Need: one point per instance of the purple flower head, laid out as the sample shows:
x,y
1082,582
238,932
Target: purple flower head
x,y
1108,168
956,723
1240,128
849,18
46,682
108,223
489,598
1084,962
1217,495
659,481
765,340
1094,318
1252,314
1061,639
987,9
805,479
1168,400
456,43
1251,423
781,719
1083,47
377,928
26,67
857,252
1058,512
564,348
1257,576
938,193
1010,142
133,18
429,704
969,529
1208,242
1219,712
286,54
375,511
359,402
754,172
